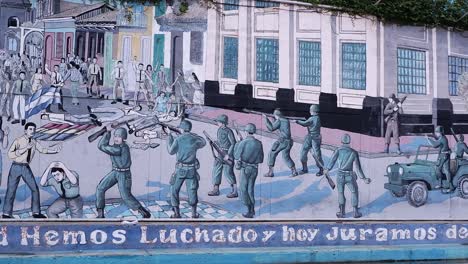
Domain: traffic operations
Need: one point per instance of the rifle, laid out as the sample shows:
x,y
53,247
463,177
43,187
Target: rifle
x,y
272,116
327,176
221,152
102,131
455,135
390,115
171,128
234,125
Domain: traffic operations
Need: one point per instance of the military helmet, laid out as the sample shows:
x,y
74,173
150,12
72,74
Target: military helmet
x,y
314,108
185,125
250,128
223,119
462,138
121,132
277,112
346,139
439,129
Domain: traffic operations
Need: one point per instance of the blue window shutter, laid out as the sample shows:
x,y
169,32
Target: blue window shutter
x,y
158,50
267,57
457,66
310,64
266,4
231,5
230,58
160,9
411,71
353,66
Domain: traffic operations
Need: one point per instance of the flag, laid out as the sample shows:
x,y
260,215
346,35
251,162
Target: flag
x,y
60,132
41,99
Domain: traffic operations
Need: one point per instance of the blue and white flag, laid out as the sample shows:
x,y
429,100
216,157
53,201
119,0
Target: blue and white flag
x,y
41,99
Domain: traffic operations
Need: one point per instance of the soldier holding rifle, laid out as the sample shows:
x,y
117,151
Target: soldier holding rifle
x,y
392,112
248,153
443,160
347,158
313,140
283,144
185,148
226,142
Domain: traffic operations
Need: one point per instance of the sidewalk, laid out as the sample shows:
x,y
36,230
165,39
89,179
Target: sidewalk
x,y
367,146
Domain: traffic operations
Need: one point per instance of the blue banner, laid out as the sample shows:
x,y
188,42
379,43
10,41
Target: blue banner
x,y
83,236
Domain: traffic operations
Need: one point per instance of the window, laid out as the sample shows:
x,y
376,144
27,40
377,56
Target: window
x,y
411,71
12,44
59,45
160,8
13,22
146,51
266,4
353,66
457,66
231,5
196,47
267,60
230,57
309,63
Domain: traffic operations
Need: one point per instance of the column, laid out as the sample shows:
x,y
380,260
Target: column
x,y
286,46
212,46
244,75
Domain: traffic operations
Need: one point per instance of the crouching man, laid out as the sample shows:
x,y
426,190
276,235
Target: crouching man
x,y
65,183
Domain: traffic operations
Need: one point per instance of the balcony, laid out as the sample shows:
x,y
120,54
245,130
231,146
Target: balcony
x,y
126,18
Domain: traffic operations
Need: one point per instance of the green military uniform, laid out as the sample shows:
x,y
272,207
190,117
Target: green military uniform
x,y
312,141
185,148
443,160
346,158
248,153
226,141
283,144
120,174
460,148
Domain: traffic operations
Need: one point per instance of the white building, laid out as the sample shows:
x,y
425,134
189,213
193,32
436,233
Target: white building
x,y
180,38
287,54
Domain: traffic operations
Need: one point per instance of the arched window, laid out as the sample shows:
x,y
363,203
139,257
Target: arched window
x,y
13,22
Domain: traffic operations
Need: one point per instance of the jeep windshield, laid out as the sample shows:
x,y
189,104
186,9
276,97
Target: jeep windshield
x,y
426,155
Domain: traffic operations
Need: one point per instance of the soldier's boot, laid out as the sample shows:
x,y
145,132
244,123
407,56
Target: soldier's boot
x,y
144,212
341,213
269,173
233,193
305,169
194,212
100,213
387,147
320,172
60,107
176,211
294,172
398,149
357,214
48,108
215,191
250,213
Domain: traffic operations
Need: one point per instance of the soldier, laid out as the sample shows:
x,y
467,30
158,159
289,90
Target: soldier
x,y
248,153
313,140
443,160
392,111
283,144
347,157
226,141
185,148
120,174
460,147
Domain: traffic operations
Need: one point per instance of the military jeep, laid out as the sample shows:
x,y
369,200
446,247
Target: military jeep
x,y
415,179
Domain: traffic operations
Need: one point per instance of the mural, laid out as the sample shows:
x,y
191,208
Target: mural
x,y
166,112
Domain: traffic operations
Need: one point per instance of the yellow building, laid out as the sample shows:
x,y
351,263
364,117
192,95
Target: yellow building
x,y
133,37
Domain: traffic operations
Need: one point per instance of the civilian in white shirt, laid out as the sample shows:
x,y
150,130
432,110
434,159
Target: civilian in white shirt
x,y
95,75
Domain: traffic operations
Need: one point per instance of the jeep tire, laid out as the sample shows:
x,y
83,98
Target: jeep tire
x,y
417,193
463,187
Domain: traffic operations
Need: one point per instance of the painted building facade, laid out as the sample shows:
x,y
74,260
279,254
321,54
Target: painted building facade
x,y
346,64
12,14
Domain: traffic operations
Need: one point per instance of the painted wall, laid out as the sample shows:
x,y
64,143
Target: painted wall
x,y
328,154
